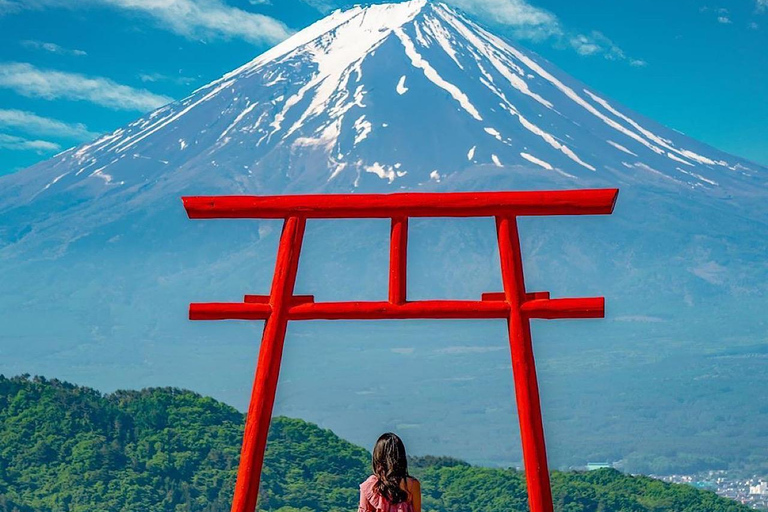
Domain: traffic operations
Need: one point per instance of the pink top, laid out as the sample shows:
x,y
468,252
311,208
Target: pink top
x,y
372,501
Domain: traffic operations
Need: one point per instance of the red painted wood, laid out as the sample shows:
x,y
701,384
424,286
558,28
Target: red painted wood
x,y
264,299
524,369
256,299
302,307
229,311
268,367
413,204
528,296
591,307
387,311
398,260
514,304
434,309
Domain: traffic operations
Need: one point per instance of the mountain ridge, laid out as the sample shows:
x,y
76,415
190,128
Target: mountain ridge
x,y
66,447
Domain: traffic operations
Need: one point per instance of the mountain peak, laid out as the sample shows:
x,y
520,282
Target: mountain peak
x,y
369,23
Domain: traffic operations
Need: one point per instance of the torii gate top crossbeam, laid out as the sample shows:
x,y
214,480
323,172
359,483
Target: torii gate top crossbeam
x,y
387,206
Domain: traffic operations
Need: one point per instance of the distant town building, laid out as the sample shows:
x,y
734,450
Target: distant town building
x,y
591,466
760,489
752,491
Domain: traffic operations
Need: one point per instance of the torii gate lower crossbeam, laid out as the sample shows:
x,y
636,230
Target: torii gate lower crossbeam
x,y
513,304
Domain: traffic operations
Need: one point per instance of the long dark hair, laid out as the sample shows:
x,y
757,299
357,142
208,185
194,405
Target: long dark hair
x,y
390,466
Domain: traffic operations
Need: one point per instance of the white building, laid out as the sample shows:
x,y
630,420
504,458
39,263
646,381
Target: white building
x,y
761,488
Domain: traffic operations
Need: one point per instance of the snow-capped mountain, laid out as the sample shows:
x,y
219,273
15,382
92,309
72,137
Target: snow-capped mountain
x,y
387,97
99,260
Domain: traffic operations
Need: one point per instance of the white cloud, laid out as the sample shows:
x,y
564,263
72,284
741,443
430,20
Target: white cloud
x,y
196,18
52,47
322,6
160,77
532,23
710,271
189,18
33,124
33,82
403,350
9,7
761,5
528,22
724,19
596,43
583,45
515,13
15,143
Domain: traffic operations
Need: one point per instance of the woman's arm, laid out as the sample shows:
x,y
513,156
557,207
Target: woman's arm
x,y
415,490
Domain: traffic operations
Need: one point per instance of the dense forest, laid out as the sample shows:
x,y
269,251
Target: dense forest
x,y
70,448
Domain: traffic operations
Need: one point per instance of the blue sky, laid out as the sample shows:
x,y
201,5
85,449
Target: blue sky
x,y
71,70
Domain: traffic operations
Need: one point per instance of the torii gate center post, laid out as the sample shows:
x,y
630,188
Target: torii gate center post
x,y
514,304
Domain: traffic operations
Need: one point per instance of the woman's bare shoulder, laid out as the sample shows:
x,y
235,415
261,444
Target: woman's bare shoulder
x,y
413,483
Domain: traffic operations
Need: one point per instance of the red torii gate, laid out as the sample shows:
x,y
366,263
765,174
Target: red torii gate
x,y
513,304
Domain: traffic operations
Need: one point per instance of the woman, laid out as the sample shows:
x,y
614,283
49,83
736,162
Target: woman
x,y
389,488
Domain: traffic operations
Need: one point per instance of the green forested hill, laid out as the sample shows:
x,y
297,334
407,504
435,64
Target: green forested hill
x,y
69,448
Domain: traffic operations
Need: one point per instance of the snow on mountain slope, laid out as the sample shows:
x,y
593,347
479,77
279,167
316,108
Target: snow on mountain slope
x,y
99,261
360,99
